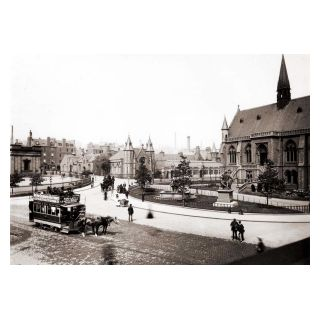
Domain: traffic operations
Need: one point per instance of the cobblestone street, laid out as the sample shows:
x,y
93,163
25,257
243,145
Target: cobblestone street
x,y
124,244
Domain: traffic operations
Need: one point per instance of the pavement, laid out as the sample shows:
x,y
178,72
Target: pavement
x,y
275,229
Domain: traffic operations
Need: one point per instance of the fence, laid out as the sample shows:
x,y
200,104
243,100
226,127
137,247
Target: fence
x,y
27,190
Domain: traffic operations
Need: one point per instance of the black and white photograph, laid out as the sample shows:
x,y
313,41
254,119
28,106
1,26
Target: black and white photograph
x,y
159,157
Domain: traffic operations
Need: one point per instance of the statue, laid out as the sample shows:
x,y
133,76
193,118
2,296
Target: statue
x,y
226,181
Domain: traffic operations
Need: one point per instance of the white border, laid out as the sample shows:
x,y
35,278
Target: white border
x,y
159,292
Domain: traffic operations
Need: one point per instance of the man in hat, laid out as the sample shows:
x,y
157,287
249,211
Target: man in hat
x,y
234,228
130,212
241,231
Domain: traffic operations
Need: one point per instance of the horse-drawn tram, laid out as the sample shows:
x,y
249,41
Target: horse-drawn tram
x,y
58,212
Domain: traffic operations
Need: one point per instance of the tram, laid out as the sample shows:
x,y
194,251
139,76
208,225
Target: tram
x,y
58,212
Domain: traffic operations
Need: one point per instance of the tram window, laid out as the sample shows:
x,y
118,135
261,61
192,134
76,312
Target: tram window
x,y
53,211
49,210
58,211
43,208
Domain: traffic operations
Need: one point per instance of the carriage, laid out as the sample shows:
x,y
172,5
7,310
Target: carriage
x,y
58,212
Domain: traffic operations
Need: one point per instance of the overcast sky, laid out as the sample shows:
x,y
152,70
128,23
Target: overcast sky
x,y
105,97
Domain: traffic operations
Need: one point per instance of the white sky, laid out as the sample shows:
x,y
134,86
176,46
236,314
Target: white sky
x,y
104,97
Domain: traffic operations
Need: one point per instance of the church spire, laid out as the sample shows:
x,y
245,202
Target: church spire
x,y
149,146
224,125
128,145
283,89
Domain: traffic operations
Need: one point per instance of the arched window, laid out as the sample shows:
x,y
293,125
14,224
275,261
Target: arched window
x,y
291,151
248,153
294,175
232,155
263,154
288,176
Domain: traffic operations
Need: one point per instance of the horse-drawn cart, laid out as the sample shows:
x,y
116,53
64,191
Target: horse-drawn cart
x,y
58,212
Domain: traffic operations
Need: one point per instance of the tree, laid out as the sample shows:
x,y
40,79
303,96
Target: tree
x,y
36,179
143,174
101,165
182,177
269,181
15,178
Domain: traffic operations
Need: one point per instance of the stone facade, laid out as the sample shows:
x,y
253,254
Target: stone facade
x,y
125,162
279,132
25,159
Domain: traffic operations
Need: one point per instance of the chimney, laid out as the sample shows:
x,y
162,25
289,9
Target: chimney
x,y
29,139
188,143
11,140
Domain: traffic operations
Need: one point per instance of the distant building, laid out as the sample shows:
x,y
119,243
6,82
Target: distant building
x,y
203,163
53,151
125,162
25,159
279,132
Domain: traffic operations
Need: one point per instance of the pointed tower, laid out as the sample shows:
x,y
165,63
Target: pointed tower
x,y
283,89
128,165
150,155
214,153
224,130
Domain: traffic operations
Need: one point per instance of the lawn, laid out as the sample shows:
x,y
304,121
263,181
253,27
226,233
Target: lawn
x,y
206,202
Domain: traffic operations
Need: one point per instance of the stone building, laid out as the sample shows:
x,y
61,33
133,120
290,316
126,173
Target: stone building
x,y
53,151
125,162
25,159
279,132
203,163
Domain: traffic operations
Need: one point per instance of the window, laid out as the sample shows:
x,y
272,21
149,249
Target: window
x,y
258,117
241,120
299,110
263,154
232,155
291,151
248,153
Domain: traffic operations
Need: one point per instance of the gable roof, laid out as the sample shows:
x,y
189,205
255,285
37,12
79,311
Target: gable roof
x,y
117,156
245,122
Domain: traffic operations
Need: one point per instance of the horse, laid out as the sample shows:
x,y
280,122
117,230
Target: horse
x,y
96,223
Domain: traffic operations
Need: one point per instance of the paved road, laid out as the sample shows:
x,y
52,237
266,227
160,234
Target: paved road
x,y
126,243
275,229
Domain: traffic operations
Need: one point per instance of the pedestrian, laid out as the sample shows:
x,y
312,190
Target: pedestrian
x,y
241,231
260,246
105,194
142,197
234,229
127,193
130,212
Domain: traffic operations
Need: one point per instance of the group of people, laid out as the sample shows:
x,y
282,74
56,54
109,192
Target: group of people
x,y
60,191
122,188
237,229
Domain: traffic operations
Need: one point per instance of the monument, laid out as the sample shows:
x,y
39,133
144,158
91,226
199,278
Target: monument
x,y
225,193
